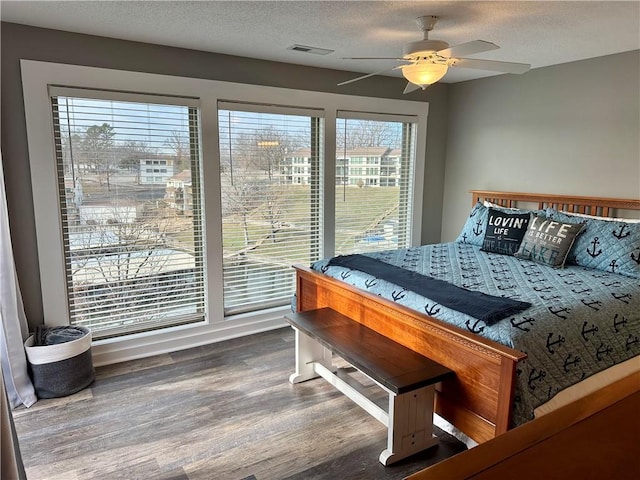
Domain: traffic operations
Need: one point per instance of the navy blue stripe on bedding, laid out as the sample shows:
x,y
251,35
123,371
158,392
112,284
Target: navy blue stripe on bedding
x,y
487,308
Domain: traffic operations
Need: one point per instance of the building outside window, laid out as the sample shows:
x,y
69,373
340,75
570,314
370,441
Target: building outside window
x,y
270,210
121,234
373,204
132,263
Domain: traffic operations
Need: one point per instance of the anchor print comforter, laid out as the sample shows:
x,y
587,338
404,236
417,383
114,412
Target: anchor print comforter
x,y
581,320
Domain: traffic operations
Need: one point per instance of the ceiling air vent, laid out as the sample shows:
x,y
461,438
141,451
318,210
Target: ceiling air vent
x,y
307,49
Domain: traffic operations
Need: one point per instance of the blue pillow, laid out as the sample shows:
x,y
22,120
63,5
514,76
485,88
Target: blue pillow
x,y
607,245
475,227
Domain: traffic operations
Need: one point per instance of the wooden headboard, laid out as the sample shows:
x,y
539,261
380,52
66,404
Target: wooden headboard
x,y
601,206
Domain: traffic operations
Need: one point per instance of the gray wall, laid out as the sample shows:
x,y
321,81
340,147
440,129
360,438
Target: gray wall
x,y
566,129
19,41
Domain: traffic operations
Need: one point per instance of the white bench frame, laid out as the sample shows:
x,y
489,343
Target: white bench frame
x,y
409,419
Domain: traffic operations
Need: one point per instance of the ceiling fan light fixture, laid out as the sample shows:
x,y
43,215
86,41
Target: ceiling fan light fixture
x,y
424,74
429,60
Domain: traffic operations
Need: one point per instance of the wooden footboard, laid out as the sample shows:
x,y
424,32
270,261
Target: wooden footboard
x,y
478,400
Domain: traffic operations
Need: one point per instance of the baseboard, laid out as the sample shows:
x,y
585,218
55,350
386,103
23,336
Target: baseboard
x,y
168,340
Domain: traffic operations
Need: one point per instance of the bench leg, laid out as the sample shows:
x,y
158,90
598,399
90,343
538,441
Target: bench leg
x,y
309,351
410,428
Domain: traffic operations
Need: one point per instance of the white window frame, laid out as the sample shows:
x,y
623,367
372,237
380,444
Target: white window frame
x,y
189,103
310,115
38,76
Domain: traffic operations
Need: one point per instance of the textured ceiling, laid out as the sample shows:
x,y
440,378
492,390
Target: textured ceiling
x,y
539,33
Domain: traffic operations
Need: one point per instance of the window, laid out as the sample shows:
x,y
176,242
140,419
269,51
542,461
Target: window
x,y
373,204
270,211
133,262
312,223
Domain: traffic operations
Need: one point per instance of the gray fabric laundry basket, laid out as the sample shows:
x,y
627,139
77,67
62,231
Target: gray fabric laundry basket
x,y
62,368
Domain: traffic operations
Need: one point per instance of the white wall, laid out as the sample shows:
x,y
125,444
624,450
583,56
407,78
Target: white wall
x,y
566,129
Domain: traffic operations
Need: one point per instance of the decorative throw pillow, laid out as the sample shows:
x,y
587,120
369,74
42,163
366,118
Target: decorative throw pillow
x,y
548,241
609,245
504,231
475,226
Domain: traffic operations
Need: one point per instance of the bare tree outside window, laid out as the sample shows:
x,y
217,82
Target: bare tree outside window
x,y
178,144
368,133
252,180
97,146
267,218
373,184
133,259
130,153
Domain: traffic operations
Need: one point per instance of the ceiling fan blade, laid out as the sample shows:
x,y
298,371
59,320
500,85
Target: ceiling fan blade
x,y
468,48
364,76
411,87
376,58
504,67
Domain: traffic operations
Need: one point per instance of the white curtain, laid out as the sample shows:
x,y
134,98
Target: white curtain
x,y
11,466
13,322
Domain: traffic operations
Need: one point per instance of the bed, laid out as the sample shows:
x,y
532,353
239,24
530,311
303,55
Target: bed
x,y
492,371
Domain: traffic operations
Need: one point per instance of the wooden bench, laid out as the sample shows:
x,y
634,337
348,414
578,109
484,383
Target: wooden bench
x,y
408,377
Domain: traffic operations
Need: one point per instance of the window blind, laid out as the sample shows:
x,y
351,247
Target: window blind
x,y
375,161
270,164
129,185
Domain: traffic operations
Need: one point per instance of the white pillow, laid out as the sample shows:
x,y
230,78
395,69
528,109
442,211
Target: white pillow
x,y
487,203
595,217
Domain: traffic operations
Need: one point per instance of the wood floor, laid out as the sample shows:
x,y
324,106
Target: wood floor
x,y
222,411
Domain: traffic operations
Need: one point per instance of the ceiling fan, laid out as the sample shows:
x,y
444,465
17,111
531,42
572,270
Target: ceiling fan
x,y
428,60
